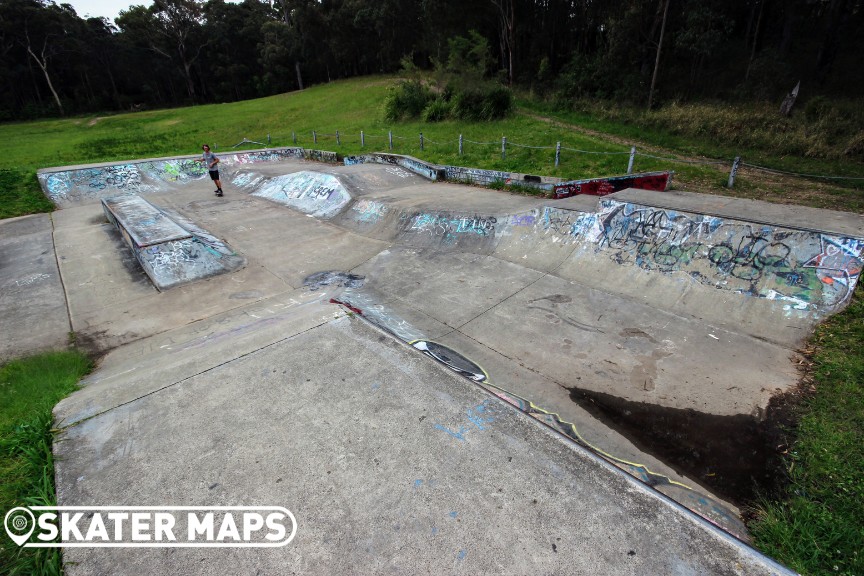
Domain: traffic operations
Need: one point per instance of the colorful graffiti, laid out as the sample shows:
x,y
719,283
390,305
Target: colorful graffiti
x,y
447,226
170,251
476,175
425,169
86,183
807,271
315,193
265,156
369,211
68,186
321,156
180,170
658,181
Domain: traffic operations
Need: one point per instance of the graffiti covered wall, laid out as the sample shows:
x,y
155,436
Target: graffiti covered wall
x,y
424,169
808,271
469,232
65,187
92,183
658,181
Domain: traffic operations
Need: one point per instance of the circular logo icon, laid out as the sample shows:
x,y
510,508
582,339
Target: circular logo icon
x,y
19,523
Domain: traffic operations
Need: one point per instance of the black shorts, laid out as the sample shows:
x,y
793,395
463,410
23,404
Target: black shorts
x,y
214,174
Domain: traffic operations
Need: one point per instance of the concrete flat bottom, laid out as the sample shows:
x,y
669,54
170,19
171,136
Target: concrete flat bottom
x,y
357,441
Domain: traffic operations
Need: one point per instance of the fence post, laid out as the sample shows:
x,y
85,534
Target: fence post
x,y
557,154
294,137
314,137
460,144
733,172
362,139
338,142
268,138
421,141
503,147
632,158
390,138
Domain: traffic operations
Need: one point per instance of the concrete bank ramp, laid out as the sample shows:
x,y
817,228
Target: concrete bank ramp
x,y
313,193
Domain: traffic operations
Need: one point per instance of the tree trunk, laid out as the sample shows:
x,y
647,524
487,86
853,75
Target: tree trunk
x,y
299,77
755,40
44,67
828,49
657,59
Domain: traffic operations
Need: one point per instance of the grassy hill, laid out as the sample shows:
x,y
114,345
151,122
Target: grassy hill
x,y
356,105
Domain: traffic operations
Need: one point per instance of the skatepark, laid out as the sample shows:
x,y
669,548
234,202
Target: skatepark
x,y
393,358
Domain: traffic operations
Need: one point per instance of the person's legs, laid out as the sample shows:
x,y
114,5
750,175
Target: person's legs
x,y
214,175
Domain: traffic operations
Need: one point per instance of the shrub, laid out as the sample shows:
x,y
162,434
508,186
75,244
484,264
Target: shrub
x,y
475,104
818,108
468,104
497,103
407,99
437,110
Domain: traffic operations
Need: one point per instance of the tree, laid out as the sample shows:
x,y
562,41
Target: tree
x,y
507,22
179,23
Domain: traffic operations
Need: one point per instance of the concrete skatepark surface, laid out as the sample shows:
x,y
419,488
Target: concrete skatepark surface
x,y
292,381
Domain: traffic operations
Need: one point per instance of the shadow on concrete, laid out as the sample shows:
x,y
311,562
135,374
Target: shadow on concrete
x,y
738,457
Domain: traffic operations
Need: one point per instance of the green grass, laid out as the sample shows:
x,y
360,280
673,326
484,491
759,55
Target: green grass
x,y
830,145
20,194
356,105
818,526
29,389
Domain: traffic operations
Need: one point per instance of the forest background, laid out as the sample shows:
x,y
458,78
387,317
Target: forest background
x,y
181,52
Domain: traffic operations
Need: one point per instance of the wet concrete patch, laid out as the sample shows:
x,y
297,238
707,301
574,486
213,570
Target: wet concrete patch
x,y
737,457
333,278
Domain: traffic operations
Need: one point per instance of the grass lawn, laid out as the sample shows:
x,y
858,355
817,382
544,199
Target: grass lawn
x,y
818,527
354,106
29,389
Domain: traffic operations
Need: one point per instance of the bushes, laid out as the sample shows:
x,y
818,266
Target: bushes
x,y
469,93
412,99
406,100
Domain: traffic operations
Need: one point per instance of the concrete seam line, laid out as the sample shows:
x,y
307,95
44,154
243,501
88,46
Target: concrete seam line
x,y
542,275
63,428
60,274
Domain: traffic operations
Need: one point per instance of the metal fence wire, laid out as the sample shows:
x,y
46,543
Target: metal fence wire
x,y
504,144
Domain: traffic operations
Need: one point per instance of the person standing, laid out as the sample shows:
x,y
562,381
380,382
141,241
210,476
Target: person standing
x,y
211,160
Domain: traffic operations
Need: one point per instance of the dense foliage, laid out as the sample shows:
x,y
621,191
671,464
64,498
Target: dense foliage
x,y
177,52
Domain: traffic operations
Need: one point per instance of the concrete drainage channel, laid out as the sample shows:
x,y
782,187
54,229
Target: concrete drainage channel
x,y
636,325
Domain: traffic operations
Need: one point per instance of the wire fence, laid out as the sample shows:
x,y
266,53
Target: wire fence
x,y
505,145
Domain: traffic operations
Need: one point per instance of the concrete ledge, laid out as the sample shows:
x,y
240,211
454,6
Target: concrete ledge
x,y
169,253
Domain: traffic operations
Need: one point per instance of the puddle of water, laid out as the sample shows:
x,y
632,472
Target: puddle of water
x,y
737,457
